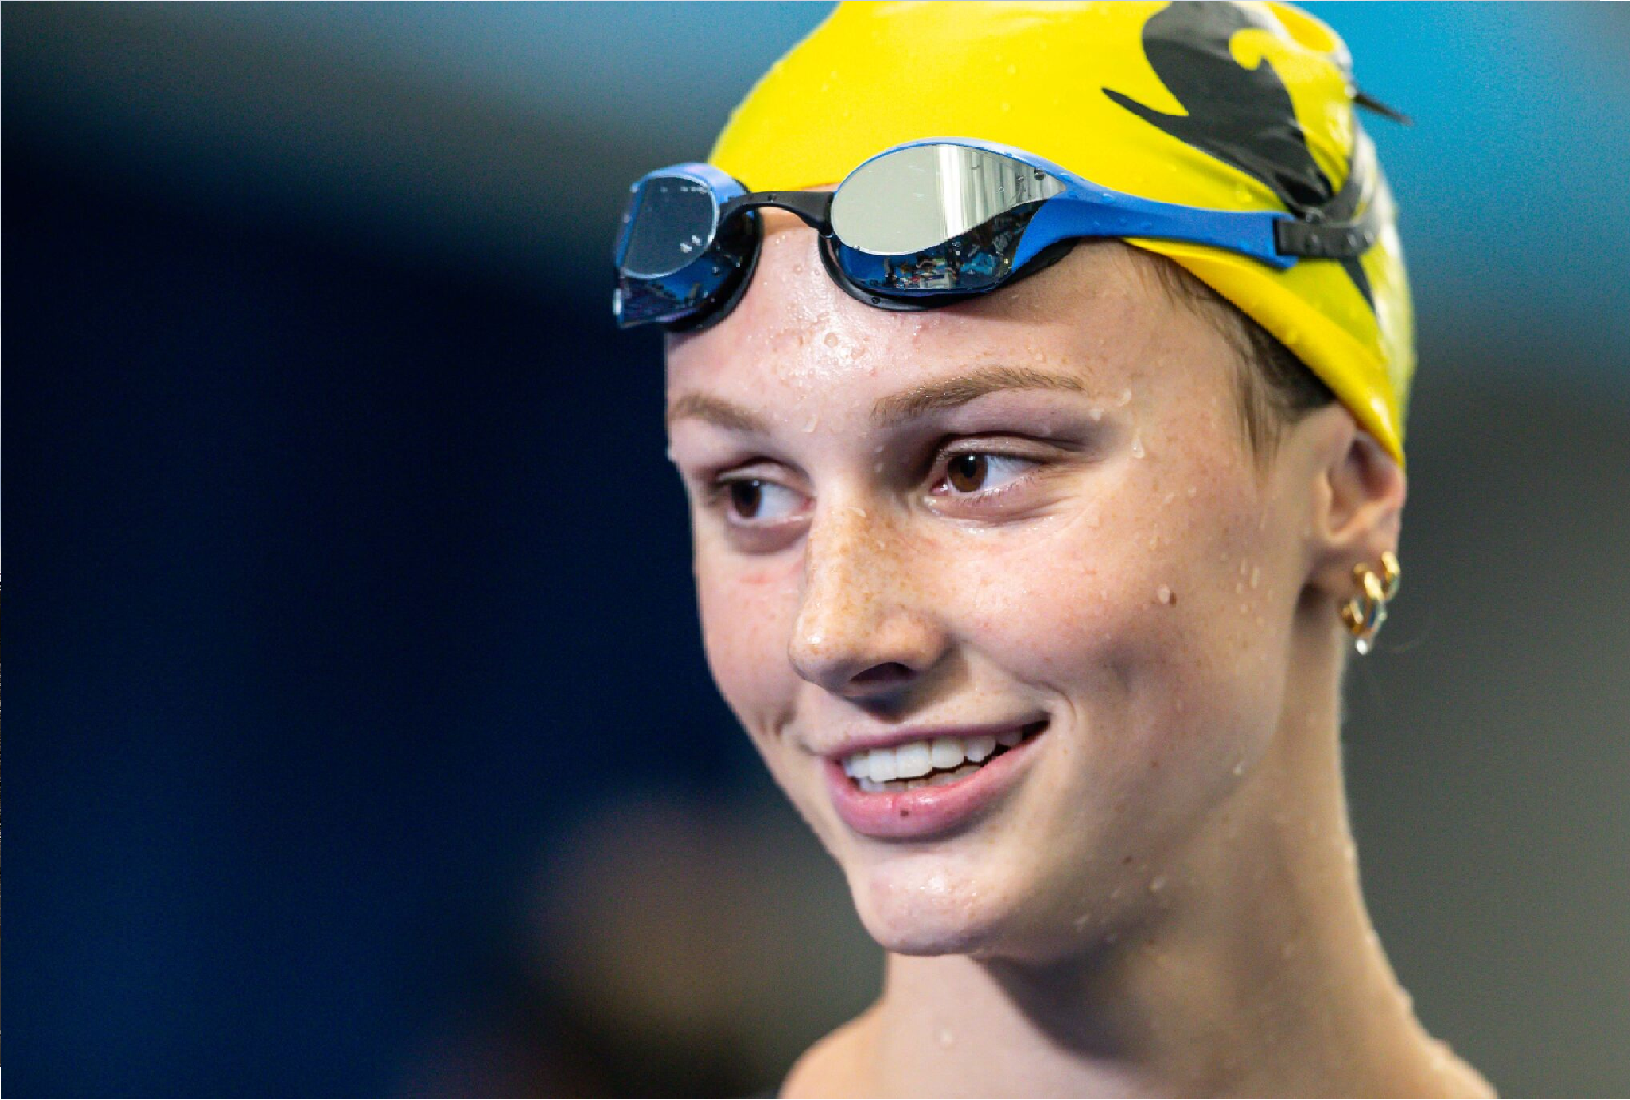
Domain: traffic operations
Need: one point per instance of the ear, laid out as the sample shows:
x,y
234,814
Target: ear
x,y
1357,501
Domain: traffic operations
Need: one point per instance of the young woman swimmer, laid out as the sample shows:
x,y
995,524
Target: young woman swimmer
x,y
1037,376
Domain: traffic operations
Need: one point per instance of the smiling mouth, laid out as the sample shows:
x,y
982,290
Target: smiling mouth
x,y
938,762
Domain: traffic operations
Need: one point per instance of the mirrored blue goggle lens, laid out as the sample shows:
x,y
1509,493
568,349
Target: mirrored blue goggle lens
x,y
688,296
669,223
936,219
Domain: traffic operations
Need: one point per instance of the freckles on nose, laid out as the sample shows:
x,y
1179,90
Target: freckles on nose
x,y
861,605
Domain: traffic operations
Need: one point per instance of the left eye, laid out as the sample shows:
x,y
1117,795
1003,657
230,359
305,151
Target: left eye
x,y
975,472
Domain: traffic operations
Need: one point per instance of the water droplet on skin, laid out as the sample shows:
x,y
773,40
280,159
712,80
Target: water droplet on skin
x,y
1157,884
861,512
814,422
1137,446
1239,768
1193,491
1125,398
945,1038
1154,542
1095,414
832,340
1165,595
1256,575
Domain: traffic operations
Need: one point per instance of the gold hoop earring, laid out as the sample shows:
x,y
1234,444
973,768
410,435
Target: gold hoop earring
x,y
1365,613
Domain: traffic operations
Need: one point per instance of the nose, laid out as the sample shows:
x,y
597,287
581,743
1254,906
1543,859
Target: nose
x,y
866,626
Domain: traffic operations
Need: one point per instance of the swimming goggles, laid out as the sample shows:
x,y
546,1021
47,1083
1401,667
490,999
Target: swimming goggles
x,y
919,226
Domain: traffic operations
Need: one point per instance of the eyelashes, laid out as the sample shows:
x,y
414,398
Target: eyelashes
x,y
749,499
972,473
763,502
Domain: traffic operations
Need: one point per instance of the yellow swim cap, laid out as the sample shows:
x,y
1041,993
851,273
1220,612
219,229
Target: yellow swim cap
x,y
1228,106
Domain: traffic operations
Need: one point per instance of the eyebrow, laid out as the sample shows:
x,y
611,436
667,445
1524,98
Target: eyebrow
x,y
716,411
954,392
949,393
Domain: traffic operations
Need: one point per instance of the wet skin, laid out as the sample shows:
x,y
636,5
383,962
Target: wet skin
x,y
1098,562
1038,510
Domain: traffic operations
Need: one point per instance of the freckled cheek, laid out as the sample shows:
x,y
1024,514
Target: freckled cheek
x,y
747,618
1052,609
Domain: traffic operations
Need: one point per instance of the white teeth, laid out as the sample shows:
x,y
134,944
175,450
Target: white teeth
x,y
911,761
916,759
882,765
946,752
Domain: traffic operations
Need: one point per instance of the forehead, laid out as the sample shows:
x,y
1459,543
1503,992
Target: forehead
x,y
1100,316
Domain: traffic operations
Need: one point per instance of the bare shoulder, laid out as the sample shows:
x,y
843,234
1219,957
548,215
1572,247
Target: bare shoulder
x,y
835,1066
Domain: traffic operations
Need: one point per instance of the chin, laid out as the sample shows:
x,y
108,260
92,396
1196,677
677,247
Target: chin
x,y
920,907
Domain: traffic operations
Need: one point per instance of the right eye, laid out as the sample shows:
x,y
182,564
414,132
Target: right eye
x,y
757,502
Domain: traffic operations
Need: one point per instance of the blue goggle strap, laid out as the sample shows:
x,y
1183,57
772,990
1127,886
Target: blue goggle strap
x,y
1073,215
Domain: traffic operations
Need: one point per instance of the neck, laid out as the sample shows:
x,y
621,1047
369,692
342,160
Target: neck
x,y
1257,971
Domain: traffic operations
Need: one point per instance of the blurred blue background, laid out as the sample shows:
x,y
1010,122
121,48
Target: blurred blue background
x,y
368,745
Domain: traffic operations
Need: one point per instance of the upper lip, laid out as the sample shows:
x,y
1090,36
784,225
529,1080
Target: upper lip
x,y
886,739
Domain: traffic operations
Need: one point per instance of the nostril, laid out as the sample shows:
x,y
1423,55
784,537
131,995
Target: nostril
x,y
890,672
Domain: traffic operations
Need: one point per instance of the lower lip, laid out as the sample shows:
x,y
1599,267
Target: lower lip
x,y
927,811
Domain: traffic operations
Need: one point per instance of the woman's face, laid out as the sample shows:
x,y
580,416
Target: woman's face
x,y
1019,542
